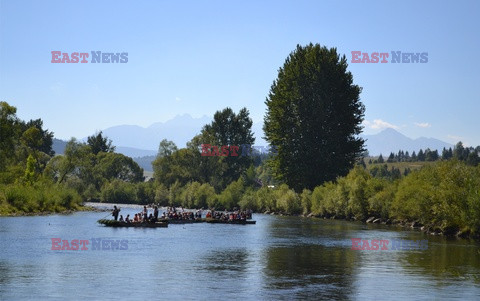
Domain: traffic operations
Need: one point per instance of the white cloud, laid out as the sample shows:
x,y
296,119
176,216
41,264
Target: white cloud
x,y
379,124
177,99
422,124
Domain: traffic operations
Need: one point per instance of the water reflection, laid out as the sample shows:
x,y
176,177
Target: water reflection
x,y
310,271
226,261
447,259
304,264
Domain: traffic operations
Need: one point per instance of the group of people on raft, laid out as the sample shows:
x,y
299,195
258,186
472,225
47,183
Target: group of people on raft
x,y
174,214
181,214
230,216
141,217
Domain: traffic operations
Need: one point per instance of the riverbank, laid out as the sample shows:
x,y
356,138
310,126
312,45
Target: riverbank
x,y
62,212
404,224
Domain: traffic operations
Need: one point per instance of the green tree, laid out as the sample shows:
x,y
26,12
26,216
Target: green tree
x,y
421,156
98,143
459,151
313,118
431,155
118,166
37,138
166,148
8,121
390,159
29,176
230,129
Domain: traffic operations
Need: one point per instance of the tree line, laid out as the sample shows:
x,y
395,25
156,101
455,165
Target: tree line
x,y
33,179
469,155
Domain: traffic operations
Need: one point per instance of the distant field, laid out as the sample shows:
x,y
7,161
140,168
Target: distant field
x,y
148,174
400,165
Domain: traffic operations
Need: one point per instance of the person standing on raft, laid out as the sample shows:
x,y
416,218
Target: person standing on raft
x,y
145,213
155,214
115,212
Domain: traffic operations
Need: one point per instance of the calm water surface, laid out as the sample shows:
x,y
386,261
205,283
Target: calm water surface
x,y
278,258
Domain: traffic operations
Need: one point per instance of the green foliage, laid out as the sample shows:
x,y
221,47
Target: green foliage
x,y
381,192
118,191
188,165
86,172
249,200
118,166
231,195
161,195
8,121
98,144
306,201
203,195
443,196
266,199
250,176
358,193
228,128
29,176
166,148
287,200
189,194
38,197
174,194
176,167
144,193
36,138
314,116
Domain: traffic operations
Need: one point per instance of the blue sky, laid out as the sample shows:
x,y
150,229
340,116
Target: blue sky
x,y
197,57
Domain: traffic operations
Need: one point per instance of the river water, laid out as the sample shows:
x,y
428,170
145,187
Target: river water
x,y
278,258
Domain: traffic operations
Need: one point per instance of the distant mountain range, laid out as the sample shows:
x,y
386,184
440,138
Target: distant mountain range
x,y
390,140
134,139
138,142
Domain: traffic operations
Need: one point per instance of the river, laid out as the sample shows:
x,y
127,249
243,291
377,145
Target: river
x,y
278,258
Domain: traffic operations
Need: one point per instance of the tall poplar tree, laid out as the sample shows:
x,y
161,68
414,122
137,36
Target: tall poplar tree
x,y
313,118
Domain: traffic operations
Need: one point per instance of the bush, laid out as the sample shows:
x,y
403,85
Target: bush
x,y
189,194
39,197
443,196
118,191
231,196
356,183
144,193
161,195
203,195
306,201
175,194
266,199
248,200
381,193
287,200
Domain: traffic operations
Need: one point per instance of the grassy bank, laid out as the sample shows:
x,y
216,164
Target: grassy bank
x,y
38,198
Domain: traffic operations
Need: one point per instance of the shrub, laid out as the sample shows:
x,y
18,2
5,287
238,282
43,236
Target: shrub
x,y
306,201
266,199
249,201
231,196
287,200
118,191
